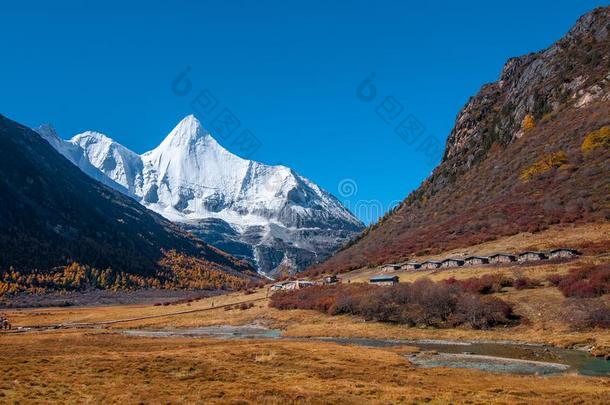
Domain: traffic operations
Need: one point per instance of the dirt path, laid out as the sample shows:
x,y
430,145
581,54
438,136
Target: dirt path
x,y
76,325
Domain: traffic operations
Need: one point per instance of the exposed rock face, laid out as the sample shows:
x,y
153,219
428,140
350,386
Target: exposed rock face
x,y
269,215
573,71
540,110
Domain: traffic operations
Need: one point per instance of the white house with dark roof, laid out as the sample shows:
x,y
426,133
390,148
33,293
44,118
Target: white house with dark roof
x,y
390,267
502,258
531,256
476,260
385,280
410,266
452,262
430,264
563,253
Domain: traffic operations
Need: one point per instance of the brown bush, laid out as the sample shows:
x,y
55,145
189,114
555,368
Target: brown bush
x,y
521,283
585,282
487,284
422,303
586,313
555,279
481,312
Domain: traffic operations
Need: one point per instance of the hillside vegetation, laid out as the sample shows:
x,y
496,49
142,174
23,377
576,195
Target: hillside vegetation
x,y
529,151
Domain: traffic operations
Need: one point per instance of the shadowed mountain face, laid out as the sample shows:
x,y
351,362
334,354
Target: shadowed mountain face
x,y
528,151
269,215
52,213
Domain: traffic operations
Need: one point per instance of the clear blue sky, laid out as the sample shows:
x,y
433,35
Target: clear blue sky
x,y
288,70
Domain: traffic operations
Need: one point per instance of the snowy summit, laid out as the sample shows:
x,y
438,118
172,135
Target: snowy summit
x,y
268,215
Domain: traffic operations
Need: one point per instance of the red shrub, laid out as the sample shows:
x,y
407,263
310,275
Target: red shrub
x,y
555,279
585,282
487,284
482,313
522,283
420,303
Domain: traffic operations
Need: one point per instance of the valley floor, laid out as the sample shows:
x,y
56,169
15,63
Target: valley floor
x,y
105,367
80,354
96,363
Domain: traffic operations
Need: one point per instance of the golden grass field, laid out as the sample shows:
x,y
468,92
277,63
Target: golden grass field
x,y
84,362
104,367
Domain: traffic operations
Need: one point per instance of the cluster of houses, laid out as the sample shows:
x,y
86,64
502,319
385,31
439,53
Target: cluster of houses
x,y
298,284
388,279
496,258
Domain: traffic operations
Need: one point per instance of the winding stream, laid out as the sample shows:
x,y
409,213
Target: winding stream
x,y
502,357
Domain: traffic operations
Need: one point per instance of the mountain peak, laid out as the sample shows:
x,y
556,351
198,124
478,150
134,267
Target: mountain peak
x,y
186,137
47,131
595,24
188,131
88,137
261,213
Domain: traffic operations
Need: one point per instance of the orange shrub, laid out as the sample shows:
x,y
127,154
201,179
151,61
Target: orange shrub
x,y
548,162
528,122
596,139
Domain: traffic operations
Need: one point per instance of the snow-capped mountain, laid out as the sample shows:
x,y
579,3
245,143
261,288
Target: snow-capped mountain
x,y
75,154
269,215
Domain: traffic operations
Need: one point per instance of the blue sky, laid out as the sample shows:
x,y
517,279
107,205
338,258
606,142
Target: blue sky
x,y
288,71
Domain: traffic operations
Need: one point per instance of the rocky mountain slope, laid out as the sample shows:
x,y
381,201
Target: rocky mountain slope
x,y
268,215
52,214
528,151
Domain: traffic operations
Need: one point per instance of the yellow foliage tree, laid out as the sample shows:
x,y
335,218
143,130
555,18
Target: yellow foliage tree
x,y
596,139
528,122
544,165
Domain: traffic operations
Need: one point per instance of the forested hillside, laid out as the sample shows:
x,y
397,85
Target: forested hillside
x,y
52,215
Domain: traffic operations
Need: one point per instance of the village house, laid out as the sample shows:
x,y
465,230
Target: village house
x,y
277,286
291,285
390,267
430,264
563,253
384,280
331,279
476,260
502,258
531,256
450,262
410,266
